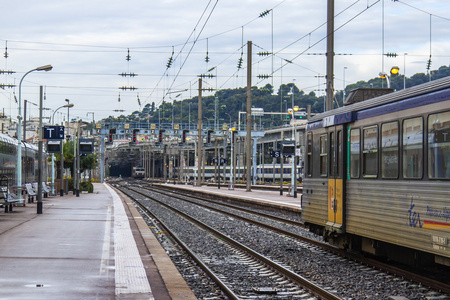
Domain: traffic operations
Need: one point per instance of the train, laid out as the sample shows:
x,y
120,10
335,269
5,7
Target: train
x,y
264,172
138,172
8,161
377,174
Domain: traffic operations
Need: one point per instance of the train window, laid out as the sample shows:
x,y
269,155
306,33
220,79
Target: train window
x,y
370,152
389,150
355,146
309,152
323,155
413,148
438,145
338,154
332,155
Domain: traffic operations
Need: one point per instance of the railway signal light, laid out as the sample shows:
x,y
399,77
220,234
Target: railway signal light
x,y
160,135
233,134
135,131
111,132
183,137
208,138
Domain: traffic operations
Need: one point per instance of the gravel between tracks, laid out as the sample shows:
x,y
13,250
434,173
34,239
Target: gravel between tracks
x,y
348,279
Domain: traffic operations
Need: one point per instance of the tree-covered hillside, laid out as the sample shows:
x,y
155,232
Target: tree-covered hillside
x,y
231,101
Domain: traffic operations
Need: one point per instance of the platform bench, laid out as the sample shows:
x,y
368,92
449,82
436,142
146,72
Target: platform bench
x,y
31,192
7,199
45,189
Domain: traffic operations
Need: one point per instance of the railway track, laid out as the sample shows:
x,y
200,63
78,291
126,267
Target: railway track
x,y
265,276
305,236
313,244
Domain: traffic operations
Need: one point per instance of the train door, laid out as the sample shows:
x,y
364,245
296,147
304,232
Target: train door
x,y
336,201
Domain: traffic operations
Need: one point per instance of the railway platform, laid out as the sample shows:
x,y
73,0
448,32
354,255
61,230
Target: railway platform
x,y
95,246
269,197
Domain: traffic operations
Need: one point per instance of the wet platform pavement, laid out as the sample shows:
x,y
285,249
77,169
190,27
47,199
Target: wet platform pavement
x,y
90,247
95,246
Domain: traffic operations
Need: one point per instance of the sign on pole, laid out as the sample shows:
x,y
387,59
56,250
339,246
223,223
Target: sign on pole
x,y
54,132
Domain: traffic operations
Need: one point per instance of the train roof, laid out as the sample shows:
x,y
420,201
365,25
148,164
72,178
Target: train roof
x,y
7,139
346,113
29,146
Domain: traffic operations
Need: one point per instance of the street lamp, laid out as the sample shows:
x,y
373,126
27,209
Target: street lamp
x,y
19,131
62,157
293,170
394,71
230,117
93,122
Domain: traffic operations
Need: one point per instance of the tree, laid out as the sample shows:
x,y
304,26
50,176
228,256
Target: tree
x,y
87,162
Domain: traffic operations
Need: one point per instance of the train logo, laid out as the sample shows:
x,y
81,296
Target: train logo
x,y
414,218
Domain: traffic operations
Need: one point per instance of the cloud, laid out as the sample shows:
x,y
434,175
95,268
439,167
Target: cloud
x,y
87,42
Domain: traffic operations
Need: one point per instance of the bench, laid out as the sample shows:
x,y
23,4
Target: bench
x,y
7,199
45,189
31,192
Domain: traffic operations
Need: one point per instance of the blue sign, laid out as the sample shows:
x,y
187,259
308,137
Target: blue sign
x,y
54,132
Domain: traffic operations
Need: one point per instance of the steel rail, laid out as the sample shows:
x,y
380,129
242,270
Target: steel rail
x,y
225,289
315,289
280,219
431,283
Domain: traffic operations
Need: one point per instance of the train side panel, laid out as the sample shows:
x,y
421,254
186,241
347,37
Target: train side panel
x,y
315,202
397,174
412,214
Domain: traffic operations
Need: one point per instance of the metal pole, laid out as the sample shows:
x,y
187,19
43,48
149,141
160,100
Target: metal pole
x,y
233,160
255,144
330,55
281,173
102,157
199,130
293,138
19,138
248,139
39,195
78,157
75,158
25,122
19,134
61,189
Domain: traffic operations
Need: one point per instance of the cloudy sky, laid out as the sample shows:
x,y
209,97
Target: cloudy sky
x,y
87,42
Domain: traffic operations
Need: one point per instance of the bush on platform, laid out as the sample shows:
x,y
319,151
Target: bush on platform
x,y
87,186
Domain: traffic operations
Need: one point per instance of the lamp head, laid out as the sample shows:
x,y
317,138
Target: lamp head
x,y
45,68
395,70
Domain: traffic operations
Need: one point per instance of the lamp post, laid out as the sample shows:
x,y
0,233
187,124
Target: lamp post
x,y
189,120
394,71
93,122
53,155
19,131
230,117
293,170
404,70
343,87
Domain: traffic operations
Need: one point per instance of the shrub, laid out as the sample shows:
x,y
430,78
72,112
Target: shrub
x,y
87,186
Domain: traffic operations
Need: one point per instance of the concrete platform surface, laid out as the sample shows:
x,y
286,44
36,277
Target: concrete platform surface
x,y
269,197
88,247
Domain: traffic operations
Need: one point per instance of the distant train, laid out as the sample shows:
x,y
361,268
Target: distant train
x,y
377,175
8,161
138,172
266,172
